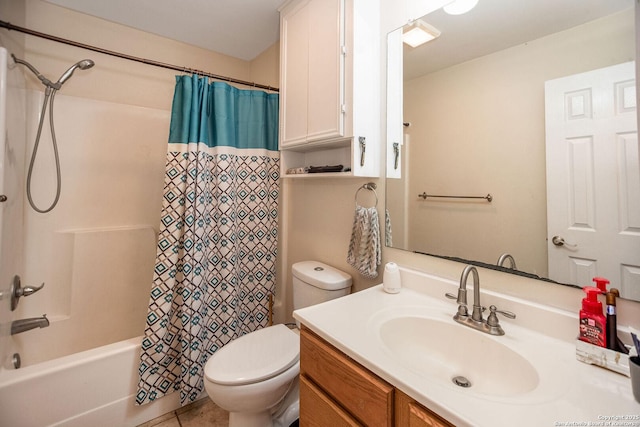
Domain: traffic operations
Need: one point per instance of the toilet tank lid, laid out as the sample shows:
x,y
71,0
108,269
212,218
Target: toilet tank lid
x,y
321,275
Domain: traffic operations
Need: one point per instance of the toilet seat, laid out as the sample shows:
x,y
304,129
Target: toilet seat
x,y
254,357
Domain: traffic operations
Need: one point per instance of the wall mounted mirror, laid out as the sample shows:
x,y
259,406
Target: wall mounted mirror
x,y
510,102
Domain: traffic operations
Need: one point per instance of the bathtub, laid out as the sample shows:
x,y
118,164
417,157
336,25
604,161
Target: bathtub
x,y
92,388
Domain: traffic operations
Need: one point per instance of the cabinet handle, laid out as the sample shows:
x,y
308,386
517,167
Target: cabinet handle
x,y
363,147
396,154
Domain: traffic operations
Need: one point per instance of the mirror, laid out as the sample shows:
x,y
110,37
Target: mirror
x,y
466,117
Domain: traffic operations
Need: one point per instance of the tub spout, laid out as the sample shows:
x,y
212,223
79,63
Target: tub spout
x,y
23,325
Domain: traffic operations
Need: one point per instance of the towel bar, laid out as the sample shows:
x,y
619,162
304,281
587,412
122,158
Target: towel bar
x,y
488,197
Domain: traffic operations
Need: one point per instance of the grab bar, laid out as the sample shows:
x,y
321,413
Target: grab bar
x,y
488,197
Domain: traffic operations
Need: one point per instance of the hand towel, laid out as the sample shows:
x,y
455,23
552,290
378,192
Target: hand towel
x,y
388,239
364,247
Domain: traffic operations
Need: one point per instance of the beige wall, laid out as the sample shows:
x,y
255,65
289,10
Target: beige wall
x,y
479,128
118,80
13,12
265,68
317,217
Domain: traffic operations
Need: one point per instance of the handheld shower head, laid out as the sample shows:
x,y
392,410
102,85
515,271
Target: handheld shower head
x,y
83,65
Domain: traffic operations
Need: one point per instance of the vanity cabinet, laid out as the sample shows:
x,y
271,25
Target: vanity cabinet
x,y
329,85
337,391
355,394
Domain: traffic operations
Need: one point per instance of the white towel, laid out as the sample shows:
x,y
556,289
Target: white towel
x,y
364,248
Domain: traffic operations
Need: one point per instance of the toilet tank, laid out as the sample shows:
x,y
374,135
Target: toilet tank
x,y
315,282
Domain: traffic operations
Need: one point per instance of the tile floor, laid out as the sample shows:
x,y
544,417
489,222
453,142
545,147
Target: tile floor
x,y
203,413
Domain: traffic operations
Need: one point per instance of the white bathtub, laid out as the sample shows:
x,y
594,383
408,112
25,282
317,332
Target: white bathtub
x,y
92,388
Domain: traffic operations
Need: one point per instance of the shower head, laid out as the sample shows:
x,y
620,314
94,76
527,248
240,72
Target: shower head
x,y
83,65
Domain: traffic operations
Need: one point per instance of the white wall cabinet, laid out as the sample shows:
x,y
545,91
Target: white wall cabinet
x,y
329,86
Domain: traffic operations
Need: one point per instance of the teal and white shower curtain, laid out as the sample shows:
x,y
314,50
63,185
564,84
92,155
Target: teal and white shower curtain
x,y
216,253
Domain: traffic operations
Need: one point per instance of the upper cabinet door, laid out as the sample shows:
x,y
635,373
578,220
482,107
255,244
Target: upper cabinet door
x,y
294,66
312,71
326,70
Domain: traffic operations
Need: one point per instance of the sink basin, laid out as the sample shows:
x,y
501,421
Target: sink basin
x,y
441,351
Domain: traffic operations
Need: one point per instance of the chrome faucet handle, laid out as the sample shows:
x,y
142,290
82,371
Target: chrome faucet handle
x,y
462,305
28,290
492,320
18,291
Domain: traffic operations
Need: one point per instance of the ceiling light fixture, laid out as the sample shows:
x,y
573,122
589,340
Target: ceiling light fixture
x,y
458,7
419,32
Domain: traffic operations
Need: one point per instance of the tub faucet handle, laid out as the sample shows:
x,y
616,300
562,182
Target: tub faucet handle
x,y
18,291
28,290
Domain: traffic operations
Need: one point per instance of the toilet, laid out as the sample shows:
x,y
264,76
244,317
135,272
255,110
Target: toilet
x,y
255,377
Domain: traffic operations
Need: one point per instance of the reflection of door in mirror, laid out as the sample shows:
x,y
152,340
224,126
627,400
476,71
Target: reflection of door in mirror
x,y
593,178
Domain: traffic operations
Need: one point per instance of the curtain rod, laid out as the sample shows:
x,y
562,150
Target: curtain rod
x,y
9,26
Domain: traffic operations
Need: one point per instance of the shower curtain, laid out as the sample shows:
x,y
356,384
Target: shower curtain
x,y
216,252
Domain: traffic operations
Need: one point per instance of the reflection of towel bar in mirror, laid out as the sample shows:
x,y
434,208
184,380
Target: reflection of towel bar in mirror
x,y
488,197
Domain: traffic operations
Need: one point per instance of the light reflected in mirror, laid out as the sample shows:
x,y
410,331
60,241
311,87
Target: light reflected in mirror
x,y
485,109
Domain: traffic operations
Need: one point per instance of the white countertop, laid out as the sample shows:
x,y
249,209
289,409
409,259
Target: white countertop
x,y
569,392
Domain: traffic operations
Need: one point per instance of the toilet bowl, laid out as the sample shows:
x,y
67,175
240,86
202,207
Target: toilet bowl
x,y
252,375
255,377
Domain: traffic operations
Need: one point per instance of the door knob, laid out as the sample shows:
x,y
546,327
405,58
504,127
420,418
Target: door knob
x,y
559,241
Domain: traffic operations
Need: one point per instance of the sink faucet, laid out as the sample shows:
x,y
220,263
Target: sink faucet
x,y
505,257
476,315
491,325
23,325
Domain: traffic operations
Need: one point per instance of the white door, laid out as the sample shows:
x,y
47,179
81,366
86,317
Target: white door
x,y
593,178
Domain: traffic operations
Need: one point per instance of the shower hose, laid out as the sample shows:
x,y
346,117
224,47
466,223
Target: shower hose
x,y
49,96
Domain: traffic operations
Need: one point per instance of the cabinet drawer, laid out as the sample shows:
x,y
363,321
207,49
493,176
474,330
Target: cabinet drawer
x,y
365,396
410,413
318,410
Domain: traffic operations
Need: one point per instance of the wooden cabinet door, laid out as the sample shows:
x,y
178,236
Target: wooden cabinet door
x,y
410,413
319,410
365,396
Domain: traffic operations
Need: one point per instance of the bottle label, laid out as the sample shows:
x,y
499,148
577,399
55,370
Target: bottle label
x,y
592,331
